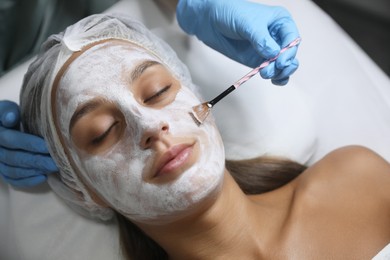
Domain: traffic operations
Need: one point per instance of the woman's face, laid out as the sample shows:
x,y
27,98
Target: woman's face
x,y
125,121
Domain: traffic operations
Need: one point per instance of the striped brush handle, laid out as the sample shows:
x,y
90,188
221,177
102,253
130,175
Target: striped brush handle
x,y
265,64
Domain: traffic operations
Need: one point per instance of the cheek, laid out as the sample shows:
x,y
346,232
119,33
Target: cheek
x,y
103,171
180,114
177,114
117,175
186,99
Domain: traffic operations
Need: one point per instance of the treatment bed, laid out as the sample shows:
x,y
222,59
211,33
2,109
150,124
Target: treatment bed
x,y
338,97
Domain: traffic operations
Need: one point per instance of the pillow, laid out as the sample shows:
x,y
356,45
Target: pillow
x,y
337,97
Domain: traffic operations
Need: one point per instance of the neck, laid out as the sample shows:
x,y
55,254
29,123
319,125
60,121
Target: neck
x,y
228,226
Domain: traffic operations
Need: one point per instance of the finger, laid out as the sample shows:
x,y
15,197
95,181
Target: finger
x,y
25,182
9,114
21,159
269,72
258,35
285,31
283,77
280,82
286,58
287,71
14,139
264,44
18,173
279,76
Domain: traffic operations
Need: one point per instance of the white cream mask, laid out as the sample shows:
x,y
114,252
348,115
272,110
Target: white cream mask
x,y
123,174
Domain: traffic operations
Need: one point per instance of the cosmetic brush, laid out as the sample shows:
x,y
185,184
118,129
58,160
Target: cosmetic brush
x,y
200,112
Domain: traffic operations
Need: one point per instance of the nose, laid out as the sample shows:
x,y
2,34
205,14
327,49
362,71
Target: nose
x,y
153,134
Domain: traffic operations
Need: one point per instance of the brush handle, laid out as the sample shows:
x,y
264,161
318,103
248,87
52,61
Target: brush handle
x,y
221,96
265,64
251,74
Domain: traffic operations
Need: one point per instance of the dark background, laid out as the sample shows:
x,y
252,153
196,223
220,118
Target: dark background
x,y
367,22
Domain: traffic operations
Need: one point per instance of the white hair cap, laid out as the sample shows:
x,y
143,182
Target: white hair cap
x,y
35,97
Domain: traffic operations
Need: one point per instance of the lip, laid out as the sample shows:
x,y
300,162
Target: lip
x,y
173,159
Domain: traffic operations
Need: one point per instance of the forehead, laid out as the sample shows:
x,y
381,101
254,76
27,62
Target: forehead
x,y
112,50
106,61
102,67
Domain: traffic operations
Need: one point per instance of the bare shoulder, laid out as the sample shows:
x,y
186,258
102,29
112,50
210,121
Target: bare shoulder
x,y
356,160
343,199
355,151
353,168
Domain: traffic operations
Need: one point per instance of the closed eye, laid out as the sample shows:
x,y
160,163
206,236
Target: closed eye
x,y
156,95
101,138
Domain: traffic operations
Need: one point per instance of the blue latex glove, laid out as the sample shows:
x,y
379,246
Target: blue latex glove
x,y
24,159
244,31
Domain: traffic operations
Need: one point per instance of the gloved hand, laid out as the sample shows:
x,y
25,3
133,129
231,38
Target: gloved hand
x,y
24,158
244,31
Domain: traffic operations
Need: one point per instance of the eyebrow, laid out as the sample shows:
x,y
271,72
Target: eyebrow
x,y
139,69
85,109
95,103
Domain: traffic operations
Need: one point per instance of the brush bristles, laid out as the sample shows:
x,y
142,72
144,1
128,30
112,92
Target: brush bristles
x,y
200,112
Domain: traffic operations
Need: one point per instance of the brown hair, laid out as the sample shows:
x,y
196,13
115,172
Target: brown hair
x,y
254,176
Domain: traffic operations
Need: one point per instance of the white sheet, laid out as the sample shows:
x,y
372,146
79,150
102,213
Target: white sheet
x,y
384,254
337,97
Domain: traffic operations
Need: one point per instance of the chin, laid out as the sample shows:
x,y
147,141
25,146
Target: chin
x,y
187,198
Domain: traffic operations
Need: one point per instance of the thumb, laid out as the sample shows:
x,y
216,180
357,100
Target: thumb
x,y
9,114
265,45
261,40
